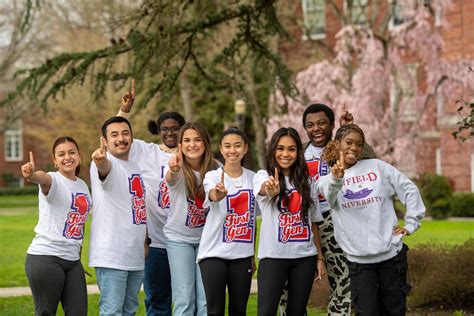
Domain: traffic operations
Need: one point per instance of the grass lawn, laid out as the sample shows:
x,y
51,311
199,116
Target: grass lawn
x,y
23,305
19,215
17,224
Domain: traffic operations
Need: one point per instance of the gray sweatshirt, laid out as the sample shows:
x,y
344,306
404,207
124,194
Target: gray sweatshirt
x,y
362,209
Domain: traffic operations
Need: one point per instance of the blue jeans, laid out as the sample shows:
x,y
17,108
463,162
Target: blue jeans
x,y
189,298
157,283
118,291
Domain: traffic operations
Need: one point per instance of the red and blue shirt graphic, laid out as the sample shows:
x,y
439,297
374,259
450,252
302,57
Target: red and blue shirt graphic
x,y
77,216
317,168
163,196
196,215
163,192
137,192
292,226
239,222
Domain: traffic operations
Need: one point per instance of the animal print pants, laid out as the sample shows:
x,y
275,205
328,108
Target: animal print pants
x,y
337,271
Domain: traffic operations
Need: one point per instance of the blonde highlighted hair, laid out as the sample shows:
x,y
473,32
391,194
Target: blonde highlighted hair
x,y
193,188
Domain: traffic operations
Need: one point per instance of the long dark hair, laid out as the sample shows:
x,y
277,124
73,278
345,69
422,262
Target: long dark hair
x,y
67,139
299,175
330,152
207,161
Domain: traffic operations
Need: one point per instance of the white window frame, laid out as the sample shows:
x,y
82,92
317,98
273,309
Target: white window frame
x,y
307,33
472,172
355,4
438,161
395,5
17,145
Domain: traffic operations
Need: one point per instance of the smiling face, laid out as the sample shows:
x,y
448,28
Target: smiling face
x,y
119,139
67,158
351,146
286,153
319,128
233,148
192,145
169,129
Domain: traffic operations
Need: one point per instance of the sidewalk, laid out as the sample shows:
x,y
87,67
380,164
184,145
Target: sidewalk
x,y
91,289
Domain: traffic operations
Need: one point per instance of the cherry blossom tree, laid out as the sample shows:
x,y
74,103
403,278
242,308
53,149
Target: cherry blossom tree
x,y
389,77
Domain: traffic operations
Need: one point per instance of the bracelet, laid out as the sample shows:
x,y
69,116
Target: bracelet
x,y
320,259
175,172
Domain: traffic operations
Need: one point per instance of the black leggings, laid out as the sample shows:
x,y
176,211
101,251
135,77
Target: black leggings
x,y
216,273
272,275
53,280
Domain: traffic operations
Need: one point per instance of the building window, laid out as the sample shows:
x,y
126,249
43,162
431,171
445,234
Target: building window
x,y
438,162
404,89
13,144
314,15
472,172
359,11
396,18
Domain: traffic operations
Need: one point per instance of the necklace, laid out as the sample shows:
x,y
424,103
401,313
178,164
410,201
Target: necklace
x,y
238,181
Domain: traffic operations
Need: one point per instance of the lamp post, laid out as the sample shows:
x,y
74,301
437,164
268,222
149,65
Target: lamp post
x,y
240,107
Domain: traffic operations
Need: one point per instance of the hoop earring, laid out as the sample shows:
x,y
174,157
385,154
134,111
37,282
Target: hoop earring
x,y
56,166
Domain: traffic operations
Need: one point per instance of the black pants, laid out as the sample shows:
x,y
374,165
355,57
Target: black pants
x,y
53,280
272,275
218,273
380,288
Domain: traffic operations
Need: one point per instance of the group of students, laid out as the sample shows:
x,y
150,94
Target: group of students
x,y
322,207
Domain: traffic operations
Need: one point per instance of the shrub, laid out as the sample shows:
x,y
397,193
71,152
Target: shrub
x,y
31,189
441,276
462,205
436,192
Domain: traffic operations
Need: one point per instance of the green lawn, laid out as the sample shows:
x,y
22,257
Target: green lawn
x,y
18,217
17,224
23,305
15,201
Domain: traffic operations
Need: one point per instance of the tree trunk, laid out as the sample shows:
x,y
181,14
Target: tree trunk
x,y
185,91
257,122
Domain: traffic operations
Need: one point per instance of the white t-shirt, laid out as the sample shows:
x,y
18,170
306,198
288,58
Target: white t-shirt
x,y
317,167
187,216
119,218
152,162
229,232
62,216
283,233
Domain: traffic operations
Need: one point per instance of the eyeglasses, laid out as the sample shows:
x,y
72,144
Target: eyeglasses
x,y
173,130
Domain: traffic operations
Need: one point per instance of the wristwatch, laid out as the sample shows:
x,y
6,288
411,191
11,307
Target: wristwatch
x,y
148,241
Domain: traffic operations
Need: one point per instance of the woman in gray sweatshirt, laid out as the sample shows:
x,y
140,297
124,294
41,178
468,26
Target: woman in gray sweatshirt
x,y
360,193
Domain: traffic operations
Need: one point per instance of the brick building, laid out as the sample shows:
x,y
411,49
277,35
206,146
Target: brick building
x,y
314,24
15,143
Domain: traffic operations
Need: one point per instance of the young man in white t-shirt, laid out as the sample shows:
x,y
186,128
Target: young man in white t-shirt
x,y
319,123
118,230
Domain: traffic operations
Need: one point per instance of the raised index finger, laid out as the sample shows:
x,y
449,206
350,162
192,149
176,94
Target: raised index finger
x,y
102,144
222,177
133,87
276,174
341,158
32,159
